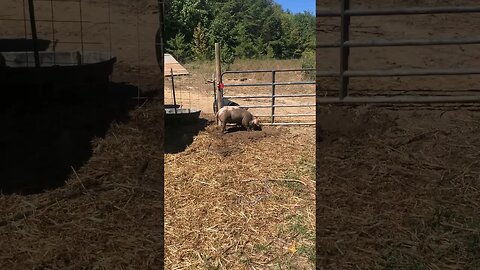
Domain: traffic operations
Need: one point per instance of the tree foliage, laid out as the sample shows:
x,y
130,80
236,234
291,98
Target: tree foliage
x,y
245,29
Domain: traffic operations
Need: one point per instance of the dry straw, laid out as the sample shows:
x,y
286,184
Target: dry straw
x,y
240,201
108,214
399,189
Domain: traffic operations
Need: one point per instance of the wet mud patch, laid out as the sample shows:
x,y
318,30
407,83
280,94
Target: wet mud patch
x,y
241,136
234,141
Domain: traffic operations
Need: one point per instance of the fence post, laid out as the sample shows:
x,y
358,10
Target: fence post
x,y
33,26
159,48
218,69
215,104
273,96
344,50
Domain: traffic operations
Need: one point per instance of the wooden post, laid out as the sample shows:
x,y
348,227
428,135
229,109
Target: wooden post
x,y
218,70
215,108
159,49
33,26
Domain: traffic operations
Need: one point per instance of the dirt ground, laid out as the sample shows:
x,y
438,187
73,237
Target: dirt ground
x,y
100,158
398,187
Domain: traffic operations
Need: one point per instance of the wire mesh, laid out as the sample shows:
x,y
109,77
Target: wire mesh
x,y
125,30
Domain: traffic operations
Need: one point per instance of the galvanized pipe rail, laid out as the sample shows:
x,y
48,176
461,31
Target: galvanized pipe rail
x,y
273,96
406,42
345,44
399,11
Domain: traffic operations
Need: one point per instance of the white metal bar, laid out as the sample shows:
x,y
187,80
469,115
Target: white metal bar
x,y
281,105
398,99
270,96
288,115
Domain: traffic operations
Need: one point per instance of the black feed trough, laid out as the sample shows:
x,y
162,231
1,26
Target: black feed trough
x,y
171,106
71,67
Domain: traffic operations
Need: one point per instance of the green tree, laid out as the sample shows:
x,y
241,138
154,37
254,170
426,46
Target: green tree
x,y
245,29
178,47
200,42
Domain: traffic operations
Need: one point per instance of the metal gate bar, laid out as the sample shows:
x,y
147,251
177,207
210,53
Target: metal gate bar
x,y
273,96
345,45
399,11
399,99
281,105
267,84
269,96
266,70
406,42
288,115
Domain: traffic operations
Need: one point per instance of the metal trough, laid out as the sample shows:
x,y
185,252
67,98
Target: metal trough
x,y
174,115
171,106
70,67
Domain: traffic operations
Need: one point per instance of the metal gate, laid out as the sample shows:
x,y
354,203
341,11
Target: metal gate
x,y
274,96
345,44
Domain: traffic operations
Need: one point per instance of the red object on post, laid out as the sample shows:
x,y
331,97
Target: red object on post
x,y
220,85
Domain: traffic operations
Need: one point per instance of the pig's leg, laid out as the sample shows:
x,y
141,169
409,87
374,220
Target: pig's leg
x,y
246,124
224,126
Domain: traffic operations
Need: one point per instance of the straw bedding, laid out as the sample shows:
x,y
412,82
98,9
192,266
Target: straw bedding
x,y
398,189
244,200
107,215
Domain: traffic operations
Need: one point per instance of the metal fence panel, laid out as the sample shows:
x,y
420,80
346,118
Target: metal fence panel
x,y
274,96
345,44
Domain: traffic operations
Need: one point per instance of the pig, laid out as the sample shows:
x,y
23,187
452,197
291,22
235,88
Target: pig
x,y
224,109
226,102
237,115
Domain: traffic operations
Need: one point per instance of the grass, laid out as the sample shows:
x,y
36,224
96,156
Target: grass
x,y
262,247
207,68
305,169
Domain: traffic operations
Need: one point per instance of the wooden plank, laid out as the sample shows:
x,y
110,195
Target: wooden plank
x,y
170,63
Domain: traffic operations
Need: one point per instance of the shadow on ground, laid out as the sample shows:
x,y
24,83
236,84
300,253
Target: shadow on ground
x,y
178,136
43,139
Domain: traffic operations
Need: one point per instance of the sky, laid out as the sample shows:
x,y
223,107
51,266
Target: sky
x,y
297,5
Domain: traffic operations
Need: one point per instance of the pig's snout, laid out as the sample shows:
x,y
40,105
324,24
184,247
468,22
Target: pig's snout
x,y
255,124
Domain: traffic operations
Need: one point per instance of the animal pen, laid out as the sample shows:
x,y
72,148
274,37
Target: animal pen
x,y
345,44
69,70
42,41
278,98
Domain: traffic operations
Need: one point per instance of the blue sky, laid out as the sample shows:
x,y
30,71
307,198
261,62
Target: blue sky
x,y
297,5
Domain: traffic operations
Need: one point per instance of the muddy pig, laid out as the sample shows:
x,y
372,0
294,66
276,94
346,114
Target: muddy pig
x,y
237,116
